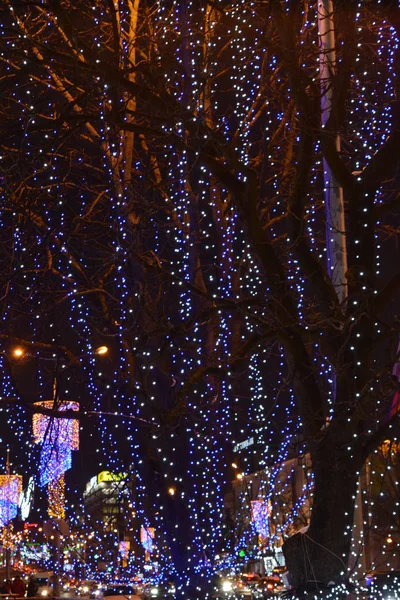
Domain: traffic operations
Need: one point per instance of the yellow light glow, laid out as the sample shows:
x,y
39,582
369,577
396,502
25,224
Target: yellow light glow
x,y
10,492
108,476
13,486
101,350
56,490
18,352
171,491
234,465
239,476
7,536
389,540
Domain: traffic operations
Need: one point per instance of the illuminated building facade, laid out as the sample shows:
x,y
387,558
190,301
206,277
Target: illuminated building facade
x,y
109,510
106,498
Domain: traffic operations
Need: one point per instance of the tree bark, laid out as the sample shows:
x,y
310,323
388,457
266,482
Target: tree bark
x,y
319,556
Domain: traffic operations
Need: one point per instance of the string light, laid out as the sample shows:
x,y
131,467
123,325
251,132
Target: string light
x,y
56,498
148,205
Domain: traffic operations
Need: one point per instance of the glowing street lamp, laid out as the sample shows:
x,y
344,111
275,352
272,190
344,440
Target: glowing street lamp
x,y
101,350
18,352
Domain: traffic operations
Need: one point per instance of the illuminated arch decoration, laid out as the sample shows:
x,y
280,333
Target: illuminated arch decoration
x,y
10,492
59,437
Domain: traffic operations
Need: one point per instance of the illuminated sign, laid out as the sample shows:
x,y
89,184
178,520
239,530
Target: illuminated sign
x,y
31,525
108,476
243,445
26,500
35,552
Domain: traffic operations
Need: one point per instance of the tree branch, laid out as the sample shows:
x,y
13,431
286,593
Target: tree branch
x,y
389,429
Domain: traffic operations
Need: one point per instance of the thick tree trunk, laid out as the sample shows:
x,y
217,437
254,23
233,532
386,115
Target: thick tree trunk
x,y
320,556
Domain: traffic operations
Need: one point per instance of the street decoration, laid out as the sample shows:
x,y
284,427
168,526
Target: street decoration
x,y
260,517
59,436
10,492
147,538
26,499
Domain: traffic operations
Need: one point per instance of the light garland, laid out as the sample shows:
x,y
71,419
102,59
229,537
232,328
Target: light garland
x,y
112,210
56,492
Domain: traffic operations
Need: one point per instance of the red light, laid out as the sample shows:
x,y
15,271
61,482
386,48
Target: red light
x,y
270,586
30,525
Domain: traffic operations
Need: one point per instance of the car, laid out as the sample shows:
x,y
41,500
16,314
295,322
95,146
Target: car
x,y
247,585
161,591
67,588
243,589
270,586
89,589
251,578
383,585
225,588
44,583
121,591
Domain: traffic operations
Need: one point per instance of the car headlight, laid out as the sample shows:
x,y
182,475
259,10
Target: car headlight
x,y
226,586
154,592
44,593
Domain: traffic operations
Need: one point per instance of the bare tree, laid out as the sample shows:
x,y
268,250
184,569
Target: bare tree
x,y
163,189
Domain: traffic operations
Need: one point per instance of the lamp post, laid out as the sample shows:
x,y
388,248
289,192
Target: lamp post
x,y
8,532
334,206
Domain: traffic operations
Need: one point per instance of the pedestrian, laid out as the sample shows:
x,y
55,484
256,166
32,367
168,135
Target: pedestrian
x,y
8,586
32,588
18,587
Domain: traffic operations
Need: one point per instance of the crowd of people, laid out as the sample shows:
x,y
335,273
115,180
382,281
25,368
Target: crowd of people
x,y
18,588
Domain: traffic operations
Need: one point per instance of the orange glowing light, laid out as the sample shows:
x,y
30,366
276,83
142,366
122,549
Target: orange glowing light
x,y
18,352
101,350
